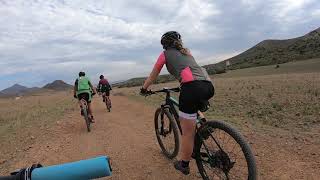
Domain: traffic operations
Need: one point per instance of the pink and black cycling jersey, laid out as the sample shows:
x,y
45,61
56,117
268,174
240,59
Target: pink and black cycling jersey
x,y
104,82
183,67
104,85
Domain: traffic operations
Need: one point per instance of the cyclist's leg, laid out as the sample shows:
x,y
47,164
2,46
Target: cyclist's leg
x,y
80,96
188,125
187,117
108,96
88,99
90,112
190,96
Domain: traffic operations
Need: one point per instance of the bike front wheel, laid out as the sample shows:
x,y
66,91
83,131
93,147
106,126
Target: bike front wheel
x,y
167,132
221,152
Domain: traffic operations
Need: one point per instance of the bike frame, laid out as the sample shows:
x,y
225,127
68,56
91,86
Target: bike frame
x,y
172,103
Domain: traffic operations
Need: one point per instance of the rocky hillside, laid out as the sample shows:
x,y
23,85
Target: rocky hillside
x,y
270,52
267,52
58,85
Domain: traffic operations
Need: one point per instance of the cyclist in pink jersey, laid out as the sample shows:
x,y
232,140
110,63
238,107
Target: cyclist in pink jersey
x,y
196,87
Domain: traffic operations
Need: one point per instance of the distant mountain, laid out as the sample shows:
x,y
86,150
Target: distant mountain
x,y
16,89
270,52
140,80
58,85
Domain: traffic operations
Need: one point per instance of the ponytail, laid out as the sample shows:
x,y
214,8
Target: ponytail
x,y
179,46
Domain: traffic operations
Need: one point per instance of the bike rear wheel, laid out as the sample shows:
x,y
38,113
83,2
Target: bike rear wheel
x,y
87,118
167,132
223,153
108,104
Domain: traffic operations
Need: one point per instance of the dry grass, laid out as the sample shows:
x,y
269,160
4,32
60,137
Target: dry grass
x,y
278,115
19,119
284,100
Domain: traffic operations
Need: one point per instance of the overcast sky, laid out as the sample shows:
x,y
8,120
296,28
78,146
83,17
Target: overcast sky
x,y
45,40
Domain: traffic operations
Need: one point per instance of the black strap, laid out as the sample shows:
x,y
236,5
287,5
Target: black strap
x,y
25,174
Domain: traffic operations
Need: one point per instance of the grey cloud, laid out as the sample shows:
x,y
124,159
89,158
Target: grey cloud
x,y
55,39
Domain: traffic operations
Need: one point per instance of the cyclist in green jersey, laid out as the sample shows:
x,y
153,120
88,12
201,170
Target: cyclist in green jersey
x,y
83,89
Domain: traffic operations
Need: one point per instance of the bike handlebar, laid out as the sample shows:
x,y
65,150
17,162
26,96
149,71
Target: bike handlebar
x,y
85,169
164,90
176,89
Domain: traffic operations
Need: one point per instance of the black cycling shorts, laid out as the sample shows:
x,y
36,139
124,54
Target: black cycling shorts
x,y
84,96
192,94
107,93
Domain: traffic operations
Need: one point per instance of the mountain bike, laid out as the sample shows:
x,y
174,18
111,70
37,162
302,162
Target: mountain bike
x,y
80,170
220,151
107,100
85,112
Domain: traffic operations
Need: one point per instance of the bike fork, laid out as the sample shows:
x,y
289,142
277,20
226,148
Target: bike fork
x,y
162,124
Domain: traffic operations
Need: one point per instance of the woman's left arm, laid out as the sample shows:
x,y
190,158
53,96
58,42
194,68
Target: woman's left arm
x,y
152,77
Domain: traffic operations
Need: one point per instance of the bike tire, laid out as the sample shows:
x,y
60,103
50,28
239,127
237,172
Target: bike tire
x,y
175,131
245,148
86,118
108,104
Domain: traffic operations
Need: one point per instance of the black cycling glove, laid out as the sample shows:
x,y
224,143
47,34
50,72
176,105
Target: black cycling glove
x,y
144,92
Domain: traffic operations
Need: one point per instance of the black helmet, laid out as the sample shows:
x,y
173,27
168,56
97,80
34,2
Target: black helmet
x,y
168,38
101,76
81,73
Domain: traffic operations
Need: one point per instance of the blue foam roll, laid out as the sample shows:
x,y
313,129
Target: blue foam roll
x,y
81,170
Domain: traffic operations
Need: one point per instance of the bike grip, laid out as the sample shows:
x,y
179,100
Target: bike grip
x,y
80,170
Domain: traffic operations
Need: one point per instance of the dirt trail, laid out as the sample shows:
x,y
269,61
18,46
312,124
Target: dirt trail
x,y
126,135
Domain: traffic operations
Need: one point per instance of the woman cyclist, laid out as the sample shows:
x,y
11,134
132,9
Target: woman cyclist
x,y
196,87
